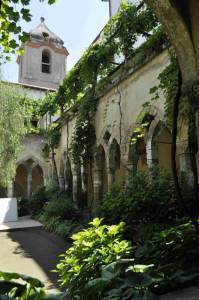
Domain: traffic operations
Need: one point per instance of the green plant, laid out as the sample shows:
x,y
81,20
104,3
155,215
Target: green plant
x,y
38,200
63,228
92,248
52,201
23,206
121,280
30,288
141,201
172,251
14,286
61,207
82,85
52,191
11,32
67,227
13,120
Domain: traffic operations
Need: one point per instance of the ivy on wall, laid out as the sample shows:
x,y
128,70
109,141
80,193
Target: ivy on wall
x,y
81,87
167,86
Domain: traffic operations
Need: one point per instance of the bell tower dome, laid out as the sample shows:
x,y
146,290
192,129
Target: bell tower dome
x,y
43,62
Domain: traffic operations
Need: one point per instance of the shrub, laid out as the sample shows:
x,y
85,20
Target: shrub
x,y
96,246
52,202
63,228
141,201
52,224
60,207
52,190
172,251
28,287
121,279
38,200
22,287
23,206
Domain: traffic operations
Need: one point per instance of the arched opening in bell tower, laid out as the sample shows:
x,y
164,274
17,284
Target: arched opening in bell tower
x,y
46,62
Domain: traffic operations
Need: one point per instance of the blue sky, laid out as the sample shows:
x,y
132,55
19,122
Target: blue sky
x,y
77,22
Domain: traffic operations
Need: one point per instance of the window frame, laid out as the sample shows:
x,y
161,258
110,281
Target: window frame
x,y
45,64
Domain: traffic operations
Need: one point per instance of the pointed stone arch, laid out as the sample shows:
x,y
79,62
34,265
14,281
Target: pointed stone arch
x,y
161,142
37,177
116,170
137,158
100,174
29,176
20,183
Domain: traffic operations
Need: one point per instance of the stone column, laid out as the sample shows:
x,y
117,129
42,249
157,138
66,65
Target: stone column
x,y
77,185
85,188
152,156
84,172
186,174
62,183
10,189
29,184
98,185
111,177
131,169
197,127
191,90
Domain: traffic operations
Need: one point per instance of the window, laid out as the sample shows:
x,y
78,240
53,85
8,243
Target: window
x,y
46,61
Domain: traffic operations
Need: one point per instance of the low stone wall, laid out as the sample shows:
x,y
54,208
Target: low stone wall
x,y
8,210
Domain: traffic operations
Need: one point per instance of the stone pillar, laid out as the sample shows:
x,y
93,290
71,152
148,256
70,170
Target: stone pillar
x,y
62,183
186,174
77,185
131,169
29,184
84,172
197,127
85,188
152,156
98,185
10,189
111,177
191,90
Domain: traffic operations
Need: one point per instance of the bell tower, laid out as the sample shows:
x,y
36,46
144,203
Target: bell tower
x,y
43,63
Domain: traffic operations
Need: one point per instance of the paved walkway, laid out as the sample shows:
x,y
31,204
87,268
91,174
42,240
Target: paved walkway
x,y
191,293
23,222
26,248
32,252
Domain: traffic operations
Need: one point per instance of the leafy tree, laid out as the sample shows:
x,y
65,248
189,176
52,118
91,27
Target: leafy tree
x,y
11,33
13,121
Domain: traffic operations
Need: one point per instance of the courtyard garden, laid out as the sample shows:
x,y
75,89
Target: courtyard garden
x,y
140,238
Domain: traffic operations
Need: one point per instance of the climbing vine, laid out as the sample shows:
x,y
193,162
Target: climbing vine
x,y
82,86
167,86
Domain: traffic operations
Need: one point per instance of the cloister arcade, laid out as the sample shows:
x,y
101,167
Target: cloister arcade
x,y
114,157
29,176
112,164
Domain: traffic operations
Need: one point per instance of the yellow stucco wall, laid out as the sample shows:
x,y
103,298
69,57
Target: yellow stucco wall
x,y
128,97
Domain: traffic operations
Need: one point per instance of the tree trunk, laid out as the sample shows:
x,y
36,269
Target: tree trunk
x,y
179,194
